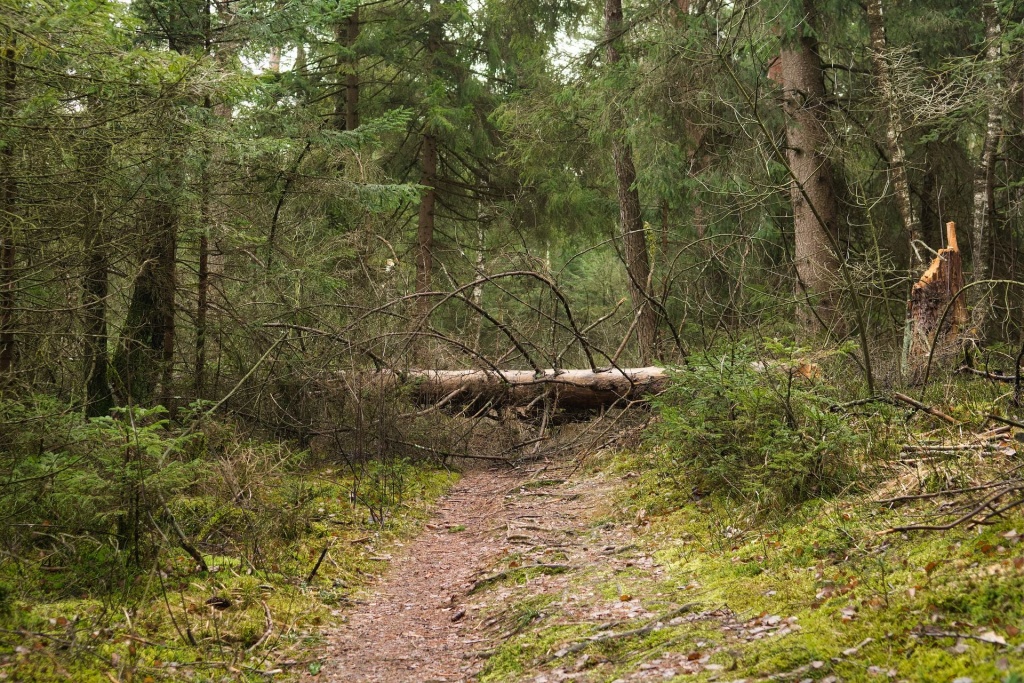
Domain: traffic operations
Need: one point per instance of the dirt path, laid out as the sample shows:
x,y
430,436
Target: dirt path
x,y
423,621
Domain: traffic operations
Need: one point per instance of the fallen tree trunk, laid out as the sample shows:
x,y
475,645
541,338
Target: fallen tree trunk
x,y
573,390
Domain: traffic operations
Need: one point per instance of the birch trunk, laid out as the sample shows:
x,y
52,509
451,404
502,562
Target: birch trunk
x,y
984,173
893,129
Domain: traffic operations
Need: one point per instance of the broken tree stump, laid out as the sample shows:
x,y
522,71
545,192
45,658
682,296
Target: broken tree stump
x,y
931,298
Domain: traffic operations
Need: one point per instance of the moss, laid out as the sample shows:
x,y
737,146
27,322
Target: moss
x,y
865,605
137,627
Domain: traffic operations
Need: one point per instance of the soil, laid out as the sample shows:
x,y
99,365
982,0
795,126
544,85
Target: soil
x,y
427,620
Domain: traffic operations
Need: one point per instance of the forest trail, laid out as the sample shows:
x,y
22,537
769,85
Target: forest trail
x,y
427,619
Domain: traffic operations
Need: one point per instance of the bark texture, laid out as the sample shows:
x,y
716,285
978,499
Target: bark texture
x,y
984,174
8,192
425,224
428,174
572,390
147,339
893,128
99,398
346,104
634,239
812,189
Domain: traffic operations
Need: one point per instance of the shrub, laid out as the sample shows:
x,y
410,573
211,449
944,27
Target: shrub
x,y
756,429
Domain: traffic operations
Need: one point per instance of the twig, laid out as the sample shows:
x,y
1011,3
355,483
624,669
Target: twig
x,y
924,408
642,631
1005,420
319,561
996,377
938,494
959,520
270,625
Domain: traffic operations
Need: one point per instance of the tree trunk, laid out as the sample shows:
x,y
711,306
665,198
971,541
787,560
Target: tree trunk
x,y
98,396
202,306
930,299
984,174
812,189
428,172
634,239
8,192
425,225
573,390
346,103
147,339
893,129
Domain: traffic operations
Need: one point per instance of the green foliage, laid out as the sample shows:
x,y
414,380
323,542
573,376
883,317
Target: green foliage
x,y
754,426
106,477
95,512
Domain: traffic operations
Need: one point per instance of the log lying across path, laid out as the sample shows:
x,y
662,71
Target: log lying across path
x,y
572,389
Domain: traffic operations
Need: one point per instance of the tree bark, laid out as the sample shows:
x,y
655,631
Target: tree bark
x,y
812,189
346,104
893,129
984,173
425,224
98,396
147,339
428,171
8,193
573,390
631,224
202,304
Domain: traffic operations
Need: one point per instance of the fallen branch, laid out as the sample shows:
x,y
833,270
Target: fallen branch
x,y
642,631
939,494
967,370
1005,420
319,561
970,515
270,626
183,540
924,408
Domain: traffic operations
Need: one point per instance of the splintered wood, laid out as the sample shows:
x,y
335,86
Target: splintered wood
x,y
930,298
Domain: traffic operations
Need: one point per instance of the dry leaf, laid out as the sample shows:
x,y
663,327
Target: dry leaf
x,y
992,637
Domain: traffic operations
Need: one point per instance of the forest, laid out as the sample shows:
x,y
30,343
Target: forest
x,y
511,340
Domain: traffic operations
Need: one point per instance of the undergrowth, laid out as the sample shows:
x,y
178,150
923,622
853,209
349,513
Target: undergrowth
x,y
759,502
759,425
132,548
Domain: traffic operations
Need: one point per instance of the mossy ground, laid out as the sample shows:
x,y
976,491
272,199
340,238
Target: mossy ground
x,y
819,591
60,624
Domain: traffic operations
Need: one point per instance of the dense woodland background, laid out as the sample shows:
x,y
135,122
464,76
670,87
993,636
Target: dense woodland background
x,y
216,218
189,185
